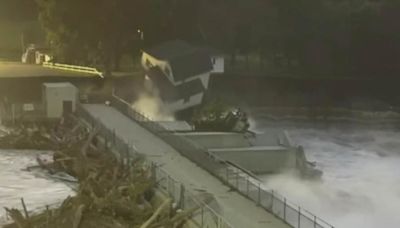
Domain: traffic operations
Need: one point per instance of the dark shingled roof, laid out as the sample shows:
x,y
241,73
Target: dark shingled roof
x,y
169,92
186,61
190,64
170,49
213,52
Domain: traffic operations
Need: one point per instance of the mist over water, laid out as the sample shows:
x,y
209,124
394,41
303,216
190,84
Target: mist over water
x,y
360,186
150,103
153,107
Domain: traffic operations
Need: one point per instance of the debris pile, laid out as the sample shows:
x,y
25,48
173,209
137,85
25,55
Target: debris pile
x,y
110,193
40,136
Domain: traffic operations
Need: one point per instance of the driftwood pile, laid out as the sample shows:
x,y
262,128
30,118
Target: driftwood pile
x,y
40,136
110,193
26,137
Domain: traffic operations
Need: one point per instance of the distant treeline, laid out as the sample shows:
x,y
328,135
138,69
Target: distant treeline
x,y
18,10
379,94
18,23
14,33
318,37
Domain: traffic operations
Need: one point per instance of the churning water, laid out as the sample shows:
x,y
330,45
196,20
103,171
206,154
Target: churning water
x,y
16,183
361,182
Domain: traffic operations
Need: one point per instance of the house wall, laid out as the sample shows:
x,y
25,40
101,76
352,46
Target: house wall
x,y
260,161
181,104
166,68
164,65
218,64
217,140
195,99
205,77
54,98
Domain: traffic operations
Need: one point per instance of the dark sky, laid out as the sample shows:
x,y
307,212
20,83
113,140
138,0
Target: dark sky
x,y
18,10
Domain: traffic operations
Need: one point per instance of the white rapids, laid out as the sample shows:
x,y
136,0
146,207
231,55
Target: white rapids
x,y
361,180
16,183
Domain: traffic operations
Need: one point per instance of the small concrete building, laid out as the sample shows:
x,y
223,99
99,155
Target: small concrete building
x,y
59,99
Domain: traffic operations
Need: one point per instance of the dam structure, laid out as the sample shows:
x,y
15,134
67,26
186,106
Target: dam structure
x,y
239,197
240,200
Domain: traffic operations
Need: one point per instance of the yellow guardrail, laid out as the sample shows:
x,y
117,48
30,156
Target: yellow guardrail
x,y
81,69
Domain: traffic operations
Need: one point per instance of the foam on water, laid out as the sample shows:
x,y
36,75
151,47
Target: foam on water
x,y
361,181
16,183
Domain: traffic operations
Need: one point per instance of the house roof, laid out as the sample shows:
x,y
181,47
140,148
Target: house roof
x,y
169,92
170,49
186,61
190,64
213,52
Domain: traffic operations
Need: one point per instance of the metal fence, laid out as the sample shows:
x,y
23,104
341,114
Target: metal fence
x,y
242,182
203,215
18,111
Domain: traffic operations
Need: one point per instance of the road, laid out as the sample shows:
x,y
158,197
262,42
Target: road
x,y
236,209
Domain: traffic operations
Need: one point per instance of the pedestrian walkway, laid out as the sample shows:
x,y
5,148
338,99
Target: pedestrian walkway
x,y
236,209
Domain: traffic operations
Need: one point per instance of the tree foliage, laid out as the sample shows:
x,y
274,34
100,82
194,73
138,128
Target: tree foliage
x,y
91,31
346,37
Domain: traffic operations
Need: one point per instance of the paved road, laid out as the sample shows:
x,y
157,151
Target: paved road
x,y
20,70
238,210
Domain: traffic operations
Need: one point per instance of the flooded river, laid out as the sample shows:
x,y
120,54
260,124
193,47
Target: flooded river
x,y
361,181
16,183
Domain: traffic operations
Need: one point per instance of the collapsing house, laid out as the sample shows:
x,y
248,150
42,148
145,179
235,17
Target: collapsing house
x,y
180,72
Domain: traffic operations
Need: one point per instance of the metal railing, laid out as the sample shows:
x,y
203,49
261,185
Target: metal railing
x,y
80,69
204,217
242,182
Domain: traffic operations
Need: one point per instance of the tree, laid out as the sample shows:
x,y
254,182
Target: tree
x,y
18,10
92,31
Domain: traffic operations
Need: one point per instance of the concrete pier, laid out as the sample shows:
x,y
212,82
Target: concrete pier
x,y
264,153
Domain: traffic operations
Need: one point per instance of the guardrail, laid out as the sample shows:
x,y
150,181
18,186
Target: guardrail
x,y
80,69
205,217
243,183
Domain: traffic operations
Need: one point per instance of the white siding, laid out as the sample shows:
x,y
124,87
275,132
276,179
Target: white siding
x,y
204,77
166,68
163,65
218,64
181,104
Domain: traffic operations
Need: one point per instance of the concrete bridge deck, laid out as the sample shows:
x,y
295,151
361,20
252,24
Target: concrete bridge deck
x,y
20,70
236,209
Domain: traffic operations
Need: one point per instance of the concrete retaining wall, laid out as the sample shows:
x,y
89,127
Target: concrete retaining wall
x,y
259,160
270,152
217,140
